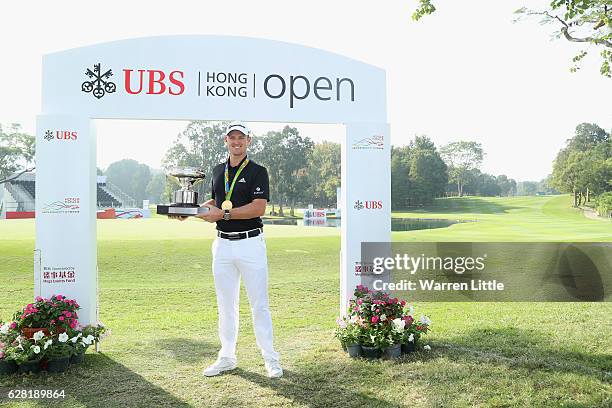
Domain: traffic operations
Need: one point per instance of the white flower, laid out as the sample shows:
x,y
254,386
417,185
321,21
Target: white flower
x,y
90,338
427,347
83,344
425,320
411,337
398,325
74,339
38,335
63,337
341,323
87,340
48,343
383,318
4,328
353,319
36,349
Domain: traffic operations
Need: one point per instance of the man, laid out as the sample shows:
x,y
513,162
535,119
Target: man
x,y
240,192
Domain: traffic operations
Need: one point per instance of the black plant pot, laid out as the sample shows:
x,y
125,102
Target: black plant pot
x,y
354,350
393,352
7,367
77,358
371,352
58,365
29,367
408,347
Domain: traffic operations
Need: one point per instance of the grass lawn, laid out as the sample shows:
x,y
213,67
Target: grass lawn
x,y
157,295
545,219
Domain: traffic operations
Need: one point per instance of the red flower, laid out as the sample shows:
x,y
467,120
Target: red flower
x,y
61,318
419,327
403,303
375,319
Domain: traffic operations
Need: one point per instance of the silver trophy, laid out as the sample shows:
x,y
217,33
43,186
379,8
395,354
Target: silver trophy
x,y
185,200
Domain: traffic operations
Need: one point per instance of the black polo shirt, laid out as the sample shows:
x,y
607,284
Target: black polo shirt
x,y
252,183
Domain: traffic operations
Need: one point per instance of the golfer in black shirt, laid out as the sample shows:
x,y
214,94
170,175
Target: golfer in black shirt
x,y
240,192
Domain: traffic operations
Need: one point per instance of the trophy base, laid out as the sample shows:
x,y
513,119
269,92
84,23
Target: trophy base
x,y
184,211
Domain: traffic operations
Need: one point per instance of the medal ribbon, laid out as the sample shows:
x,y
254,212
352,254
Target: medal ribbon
x,y
229,189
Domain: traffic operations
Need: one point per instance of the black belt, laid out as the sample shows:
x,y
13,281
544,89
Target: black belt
x,y
240,235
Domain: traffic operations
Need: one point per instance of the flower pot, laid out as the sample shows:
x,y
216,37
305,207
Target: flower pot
x,y
29,367
408,347
77,358
354,350
58,365
7,367
28,332
370,352
393,352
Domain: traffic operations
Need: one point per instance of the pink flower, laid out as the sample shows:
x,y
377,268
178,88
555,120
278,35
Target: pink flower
x,y
375,319
61,318
377,310
403,303
53,321
73,324
13,325
2,345
359,301
59,297
68,314
39,299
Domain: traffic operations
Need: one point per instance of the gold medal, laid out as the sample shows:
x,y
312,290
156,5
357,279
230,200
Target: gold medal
x,y
226,205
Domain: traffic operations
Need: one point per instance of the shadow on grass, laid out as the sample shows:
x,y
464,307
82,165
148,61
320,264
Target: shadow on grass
x,y
517,348
314,388
99,382
463,205
184,350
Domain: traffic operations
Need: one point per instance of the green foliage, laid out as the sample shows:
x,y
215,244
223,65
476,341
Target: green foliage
x,y
462,158
324,173
156,188
603,204
584,166
17,150
571,17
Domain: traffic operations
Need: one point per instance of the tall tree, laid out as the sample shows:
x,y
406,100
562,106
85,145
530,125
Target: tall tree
x,y
324,174
584,166
461,158
131,177
286,155
200,145
577,21
17,150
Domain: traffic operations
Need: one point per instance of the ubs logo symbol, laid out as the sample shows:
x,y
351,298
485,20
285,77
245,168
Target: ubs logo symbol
x,y
49,135
99,84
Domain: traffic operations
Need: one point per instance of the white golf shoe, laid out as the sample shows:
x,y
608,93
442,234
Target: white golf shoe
x,y
220,366
274,368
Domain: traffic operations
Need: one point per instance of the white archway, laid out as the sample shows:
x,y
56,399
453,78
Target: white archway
x,y
205,78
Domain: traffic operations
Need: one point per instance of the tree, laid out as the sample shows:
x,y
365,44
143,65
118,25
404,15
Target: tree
x,y
527,188
156,188
286,155
131,177
324,173
507,186
584,166
578,21
201,145
17,150
400,180
461,158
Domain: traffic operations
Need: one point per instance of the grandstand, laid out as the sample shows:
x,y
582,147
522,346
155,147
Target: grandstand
x,y
19,196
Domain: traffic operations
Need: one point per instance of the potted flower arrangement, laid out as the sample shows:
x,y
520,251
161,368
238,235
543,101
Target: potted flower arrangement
x,y
28,353
82,338
8,334
348,331
382,325
58,352
53,315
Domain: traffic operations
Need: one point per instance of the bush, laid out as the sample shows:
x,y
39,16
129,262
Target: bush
x,y
603,204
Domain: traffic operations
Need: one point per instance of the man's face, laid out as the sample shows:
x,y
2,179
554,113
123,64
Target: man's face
x,y
237,142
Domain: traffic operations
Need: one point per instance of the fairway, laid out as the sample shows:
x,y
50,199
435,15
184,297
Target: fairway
x,y
504,219
157,296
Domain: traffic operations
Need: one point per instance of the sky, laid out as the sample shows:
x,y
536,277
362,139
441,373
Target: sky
x,y
465,73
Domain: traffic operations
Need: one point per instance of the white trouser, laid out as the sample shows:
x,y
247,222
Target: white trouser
x,y
231,260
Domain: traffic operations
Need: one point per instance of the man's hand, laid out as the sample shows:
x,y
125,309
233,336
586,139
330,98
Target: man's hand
x,y
213,215
178,217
